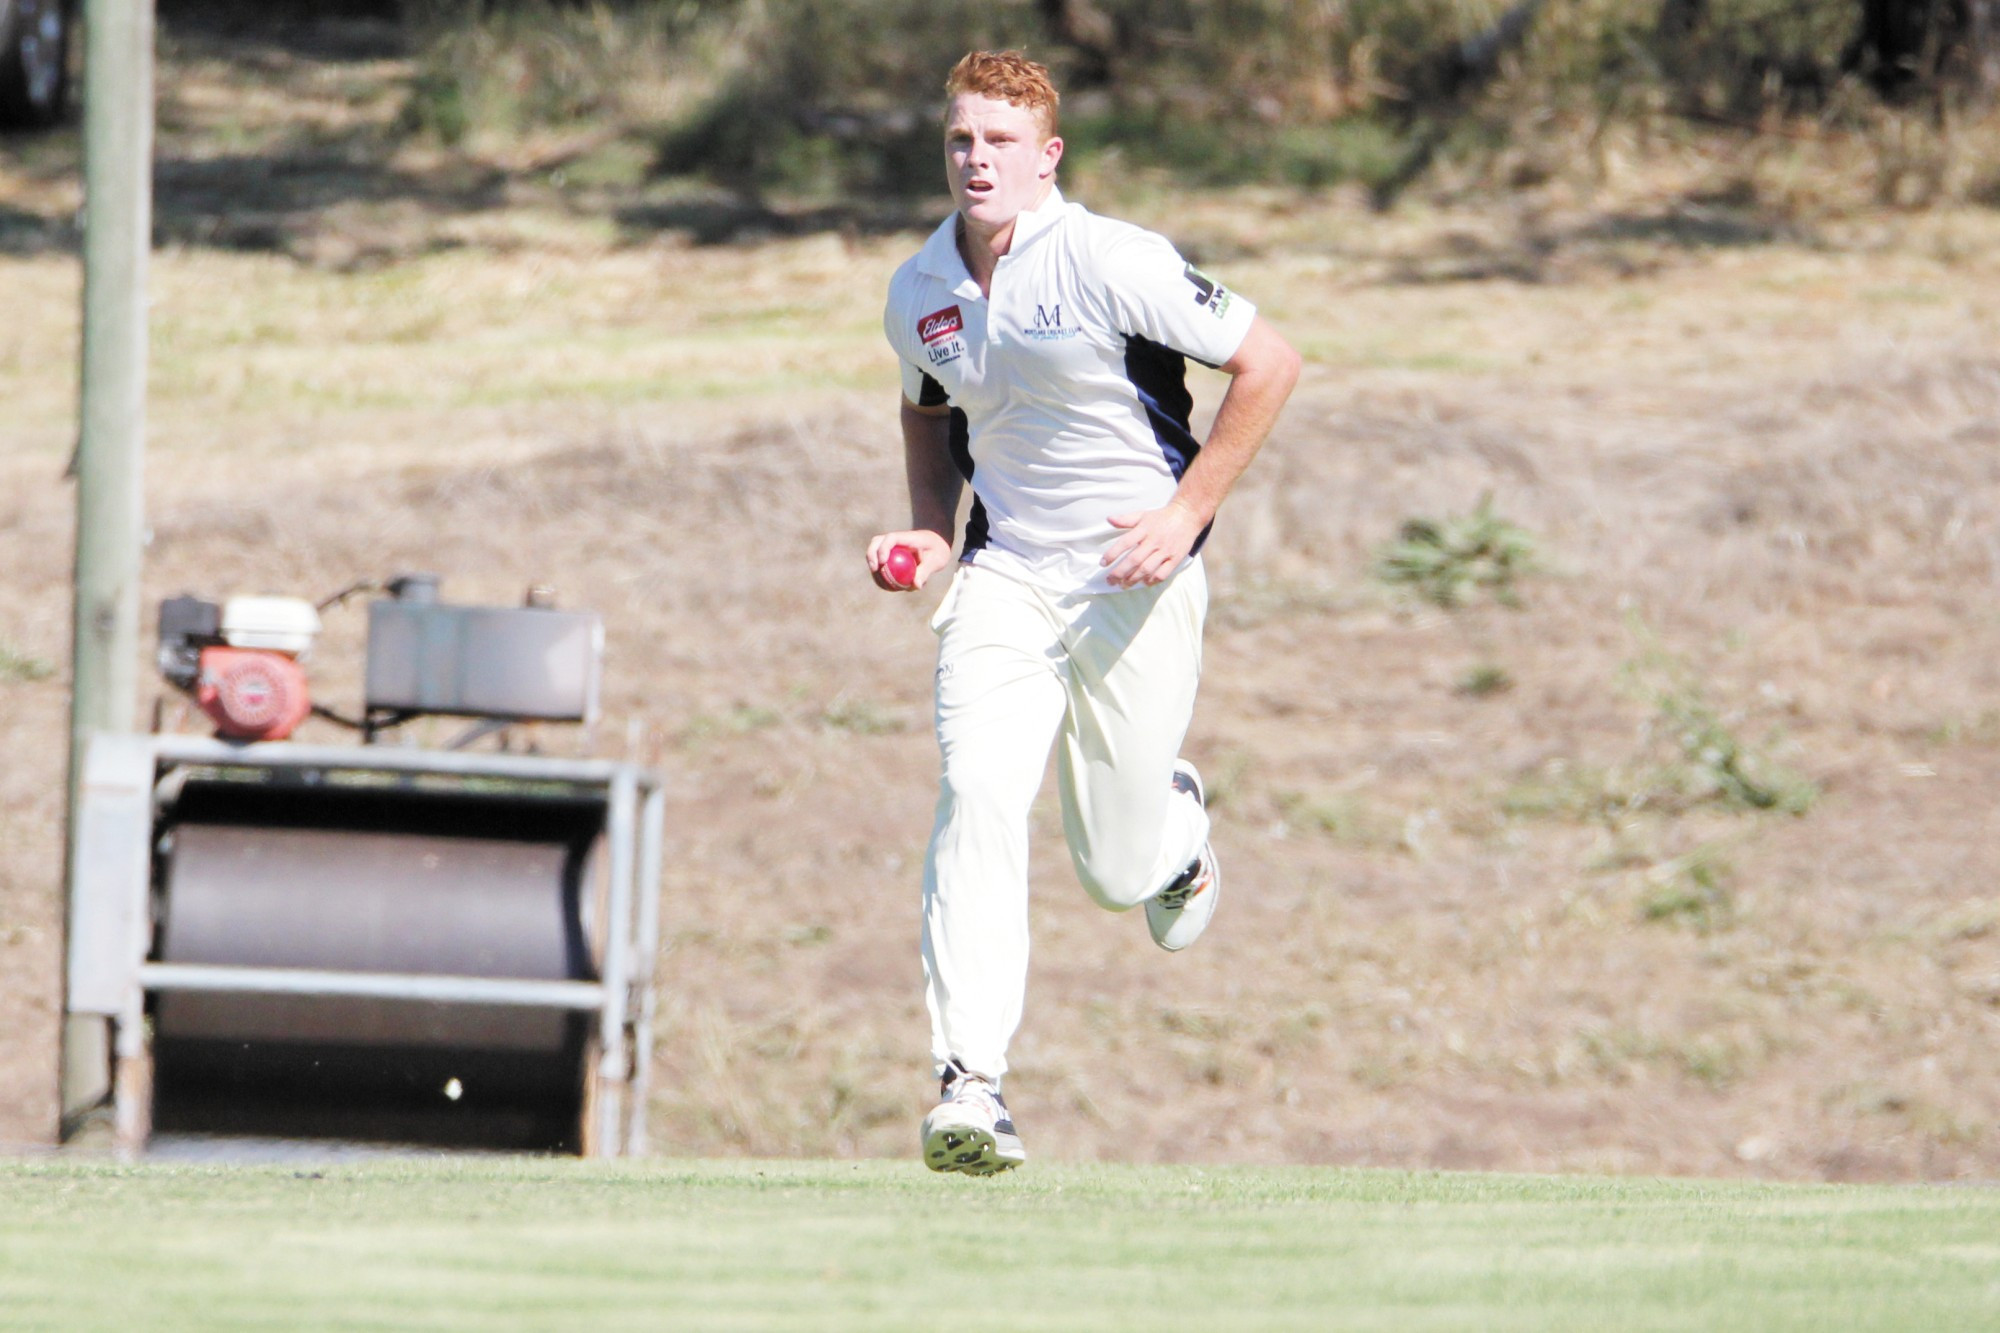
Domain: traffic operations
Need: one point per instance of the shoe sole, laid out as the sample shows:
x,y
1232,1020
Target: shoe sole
x,y
1214,895
1197,789
970,1149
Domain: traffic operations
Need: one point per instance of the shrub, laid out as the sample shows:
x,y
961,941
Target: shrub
x,y
1711,762
1445,561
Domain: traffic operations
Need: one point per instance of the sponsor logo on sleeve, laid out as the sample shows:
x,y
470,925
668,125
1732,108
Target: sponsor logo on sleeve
x,y
940,324
1208,293
940,332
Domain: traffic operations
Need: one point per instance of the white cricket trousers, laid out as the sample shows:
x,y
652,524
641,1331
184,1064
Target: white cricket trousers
x,y
1112,676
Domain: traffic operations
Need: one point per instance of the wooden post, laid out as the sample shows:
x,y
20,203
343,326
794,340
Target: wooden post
x,y
110,454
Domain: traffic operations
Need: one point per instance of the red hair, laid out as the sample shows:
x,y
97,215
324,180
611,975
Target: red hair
x,y
1007,76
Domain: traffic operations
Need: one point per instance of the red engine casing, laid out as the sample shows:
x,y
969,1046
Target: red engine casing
x,y
252,694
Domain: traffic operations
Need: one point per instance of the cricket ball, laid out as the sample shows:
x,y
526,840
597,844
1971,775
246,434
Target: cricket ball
x,y
901,566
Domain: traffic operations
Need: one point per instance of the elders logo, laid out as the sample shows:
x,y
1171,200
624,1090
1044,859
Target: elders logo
x,y
939,324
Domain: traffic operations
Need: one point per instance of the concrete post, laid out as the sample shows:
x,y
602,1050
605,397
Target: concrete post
x,y
110,456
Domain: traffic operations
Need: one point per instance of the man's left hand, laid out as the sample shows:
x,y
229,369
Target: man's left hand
x,y
1154,544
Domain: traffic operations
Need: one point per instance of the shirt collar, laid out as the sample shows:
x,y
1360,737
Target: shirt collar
x,y
1032,223
940,257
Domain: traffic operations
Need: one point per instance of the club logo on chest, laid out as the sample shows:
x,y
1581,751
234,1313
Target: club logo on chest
x,y
1048,325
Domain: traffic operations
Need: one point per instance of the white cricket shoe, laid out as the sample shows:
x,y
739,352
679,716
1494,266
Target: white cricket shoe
x,y
969,1130
1179,913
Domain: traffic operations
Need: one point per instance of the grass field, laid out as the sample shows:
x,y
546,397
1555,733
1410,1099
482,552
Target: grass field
x,y
523,1243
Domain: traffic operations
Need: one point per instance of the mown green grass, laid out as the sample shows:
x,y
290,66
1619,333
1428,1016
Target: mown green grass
x,y
512,1243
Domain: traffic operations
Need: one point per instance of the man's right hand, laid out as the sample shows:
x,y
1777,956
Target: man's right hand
x,y
933,554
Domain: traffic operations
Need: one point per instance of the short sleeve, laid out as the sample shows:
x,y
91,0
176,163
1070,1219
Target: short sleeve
x,y
920,388
1158,295
918,385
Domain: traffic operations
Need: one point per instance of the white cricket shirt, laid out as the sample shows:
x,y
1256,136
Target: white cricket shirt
x,y
1068,385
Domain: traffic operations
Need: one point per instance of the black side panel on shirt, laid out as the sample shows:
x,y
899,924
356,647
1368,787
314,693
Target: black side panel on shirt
x,y
976,530
961,443
1159,376
931,394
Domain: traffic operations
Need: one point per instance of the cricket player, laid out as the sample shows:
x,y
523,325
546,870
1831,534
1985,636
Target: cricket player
x,y
1043,351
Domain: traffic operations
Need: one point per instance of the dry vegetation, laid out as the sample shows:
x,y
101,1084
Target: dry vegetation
x,y
1486,906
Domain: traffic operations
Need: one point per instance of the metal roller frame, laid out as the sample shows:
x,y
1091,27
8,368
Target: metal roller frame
x,y
129,779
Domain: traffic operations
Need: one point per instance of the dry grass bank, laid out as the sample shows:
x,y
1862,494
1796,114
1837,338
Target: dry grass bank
x,y
1483,910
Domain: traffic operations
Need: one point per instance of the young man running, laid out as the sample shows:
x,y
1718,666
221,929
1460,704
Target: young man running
x,y
1043,353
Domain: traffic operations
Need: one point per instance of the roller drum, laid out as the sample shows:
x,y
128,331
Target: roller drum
x,y
369,902
401,881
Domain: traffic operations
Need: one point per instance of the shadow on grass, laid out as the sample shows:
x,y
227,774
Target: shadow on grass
x,y
345,201
285,132
1624,244
741,220
282,197
322,30
246,155
24,233
1693,225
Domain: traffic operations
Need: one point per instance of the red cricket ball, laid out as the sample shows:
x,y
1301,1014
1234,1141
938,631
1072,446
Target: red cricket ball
x,y
901,566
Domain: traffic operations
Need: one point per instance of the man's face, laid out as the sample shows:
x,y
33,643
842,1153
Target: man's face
x,y
996,158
